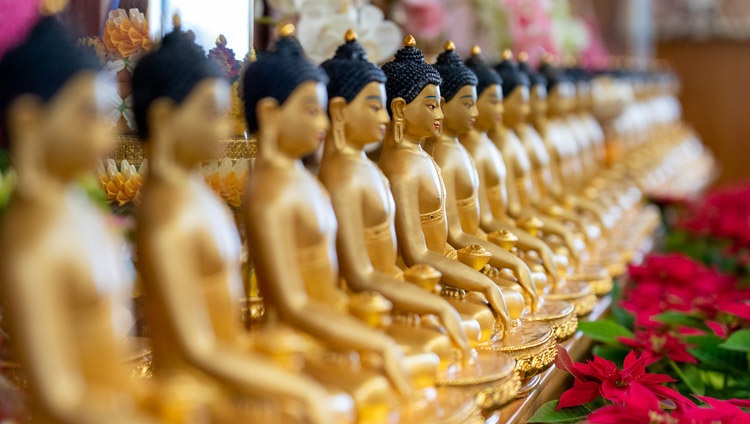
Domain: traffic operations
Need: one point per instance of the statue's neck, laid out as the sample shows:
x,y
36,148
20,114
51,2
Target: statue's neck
x,y
409,142
269,155
36,182
342,149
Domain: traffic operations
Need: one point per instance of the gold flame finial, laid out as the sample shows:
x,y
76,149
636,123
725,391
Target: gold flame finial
x,y
523,57
476,50
176,21
548,58
409,41
221,41
449,46
350,35
286,30
507,54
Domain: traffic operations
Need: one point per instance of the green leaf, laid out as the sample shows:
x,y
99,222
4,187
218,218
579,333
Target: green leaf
x,y
713,357
605,331
691,376
613,353
681,318
739,341
620,315
547,414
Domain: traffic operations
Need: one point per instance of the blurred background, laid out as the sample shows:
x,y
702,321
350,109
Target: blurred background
x,y
707,42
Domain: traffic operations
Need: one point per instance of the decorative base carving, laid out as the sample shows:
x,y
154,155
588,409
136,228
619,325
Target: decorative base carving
x,y
531,344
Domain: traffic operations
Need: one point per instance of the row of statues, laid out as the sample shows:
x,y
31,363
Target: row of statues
x,y
429,286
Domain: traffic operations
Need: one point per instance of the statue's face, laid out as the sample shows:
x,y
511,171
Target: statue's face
x,y
538,101
365,116
490,108
423,116
71,126
303,120
461,111
583,95
201,120
562,97
517,104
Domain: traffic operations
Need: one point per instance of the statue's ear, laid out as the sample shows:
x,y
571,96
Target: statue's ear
x,y
159,113
267,110
397,107
336,108
24,113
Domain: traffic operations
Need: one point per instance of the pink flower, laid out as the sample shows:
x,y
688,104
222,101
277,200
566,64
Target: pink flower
x,y
425,19
530,27
19,17
655,345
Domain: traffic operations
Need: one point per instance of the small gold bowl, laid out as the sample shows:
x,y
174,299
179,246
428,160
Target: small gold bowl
x,y
474,256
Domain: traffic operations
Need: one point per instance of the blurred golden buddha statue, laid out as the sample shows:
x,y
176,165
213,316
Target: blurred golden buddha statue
x,y
189,249
65,289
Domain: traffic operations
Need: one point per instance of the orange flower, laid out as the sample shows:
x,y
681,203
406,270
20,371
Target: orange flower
x,y
126,35
227,179
121,185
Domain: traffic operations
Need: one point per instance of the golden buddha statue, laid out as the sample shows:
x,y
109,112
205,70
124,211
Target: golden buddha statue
x,y
458,90
520,186
362,201
65,289
568,153
189,249
291,230
565,165
413,101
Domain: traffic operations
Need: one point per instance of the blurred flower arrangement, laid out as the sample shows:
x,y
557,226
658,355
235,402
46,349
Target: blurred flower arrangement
x,y
561,27
321,25
232,68
125,39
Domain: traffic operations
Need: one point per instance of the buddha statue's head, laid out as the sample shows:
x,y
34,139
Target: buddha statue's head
x,y
582,81
285,100
52,116
180,101
560,89
489,92
537,90
515,90
413,94
356,96
459,92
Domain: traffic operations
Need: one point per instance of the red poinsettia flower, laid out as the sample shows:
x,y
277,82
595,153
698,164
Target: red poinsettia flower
x,y
602,377
678,283
725,412
642,406
718,328
655,345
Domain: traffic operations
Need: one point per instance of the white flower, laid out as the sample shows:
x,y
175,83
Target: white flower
x,y
121,108
117,65
323,23
286,7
